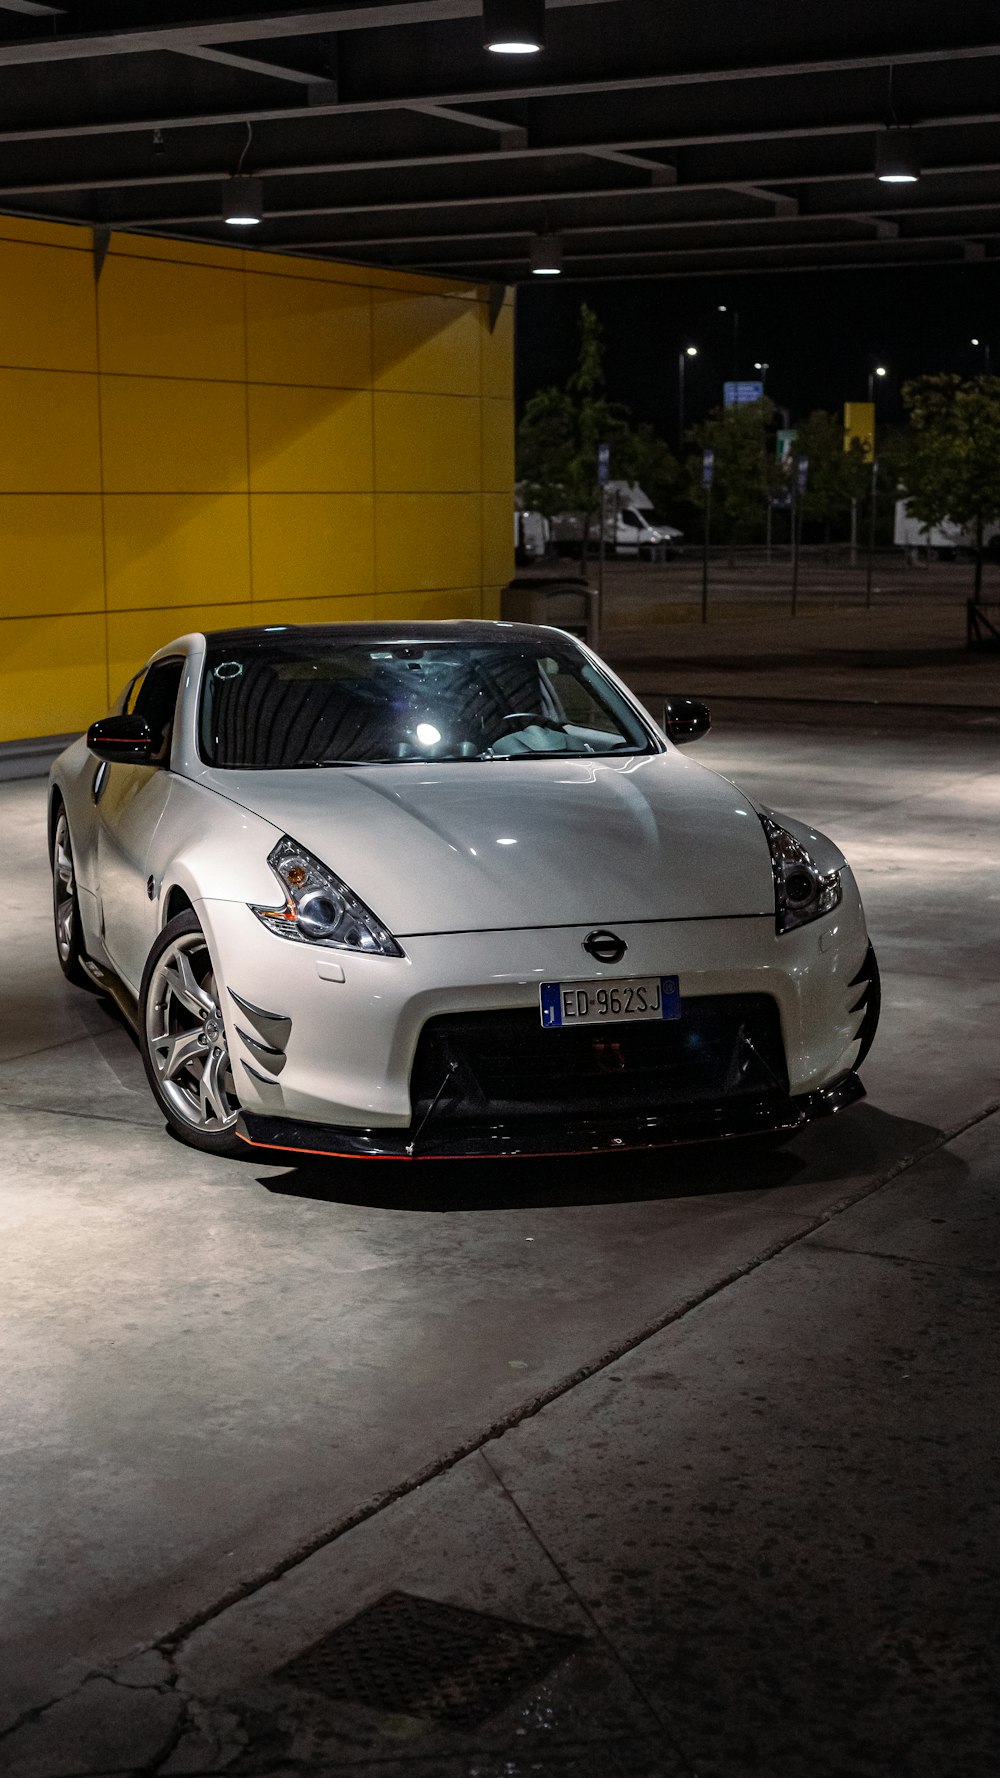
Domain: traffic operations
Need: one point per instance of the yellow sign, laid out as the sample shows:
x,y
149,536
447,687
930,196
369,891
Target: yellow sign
x,y
859,423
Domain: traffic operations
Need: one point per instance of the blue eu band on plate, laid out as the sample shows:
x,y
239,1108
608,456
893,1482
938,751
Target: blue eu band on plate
x,y
602,1003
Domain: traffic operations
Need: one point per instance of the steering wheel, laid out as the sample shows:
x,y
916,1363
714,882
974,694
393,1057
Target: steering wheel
x,y
534,719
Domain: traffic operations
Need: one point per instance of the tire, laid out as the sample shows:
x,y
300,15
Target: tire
x,y
183,1042
70,948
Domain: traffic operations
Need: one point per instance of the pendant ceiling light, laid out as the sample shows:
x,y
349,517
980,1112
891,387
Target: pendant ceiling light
x,y
896,159
546,256
514,27
243,203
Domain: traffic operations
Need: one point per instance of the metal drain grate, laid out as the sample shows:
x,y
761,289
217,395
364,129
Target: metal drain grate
x,y
416,1657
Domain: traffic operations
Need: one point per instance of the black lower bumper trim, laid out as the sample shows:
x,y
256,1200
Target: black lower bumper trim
x,y
768,1114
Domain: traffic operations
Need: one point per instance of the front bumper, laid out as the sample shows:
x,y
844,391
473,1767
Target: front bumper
x,y
331,1040
768,1114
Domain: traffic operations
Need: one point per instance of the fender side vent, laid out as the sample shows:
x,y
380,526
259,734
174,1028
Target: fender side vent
x,y
415,1657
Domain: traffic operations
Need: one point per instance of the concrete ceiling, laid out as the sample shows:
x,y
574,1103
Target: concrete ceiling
x,y
656,137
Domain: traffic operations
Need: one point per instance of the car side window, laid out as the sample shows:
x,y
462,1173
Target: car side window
x,y
154,696
629,519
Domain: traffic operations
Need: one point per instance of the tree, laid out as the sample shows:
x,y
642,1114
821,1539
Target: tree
x,y
558,438
746,473
836,477
951,462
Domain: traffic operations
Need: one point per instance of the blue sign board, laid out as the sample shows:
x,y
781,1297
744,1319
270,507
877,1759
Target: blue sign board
x,y
707,468
603,463
735,393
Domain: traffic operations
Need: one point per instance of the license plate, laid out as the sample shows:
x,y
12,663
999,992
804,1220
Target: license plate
x,y
606,1003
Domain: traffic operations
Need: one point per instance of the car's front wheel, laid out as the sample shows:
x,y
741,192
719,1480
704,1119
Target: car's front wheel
x,y
183,1040
66,908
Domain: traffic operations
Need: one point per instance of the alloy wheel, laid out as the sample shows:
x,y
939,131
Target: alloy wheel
x,y
186,1037
64,878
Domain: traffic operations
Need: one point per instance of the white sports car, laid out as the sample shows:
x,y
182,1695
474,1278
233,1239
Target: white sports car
x,y
440,889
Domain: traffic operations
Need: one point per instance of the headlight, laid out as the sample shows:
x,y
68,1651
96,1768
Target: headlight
x,y
319,909
801,891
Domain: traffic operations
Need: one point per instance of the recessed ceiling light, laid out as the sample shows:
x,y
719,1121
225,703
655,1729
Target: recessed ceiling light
x,y
514,27
546,256
243,202
896,159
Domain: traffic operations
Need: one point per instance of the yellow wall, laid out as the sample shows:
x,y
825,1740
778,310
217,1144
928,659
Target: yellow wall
x,y
212,436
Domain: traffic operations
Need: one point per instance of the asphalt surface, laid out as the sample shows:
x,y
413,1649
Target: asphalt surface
x,y
725,1422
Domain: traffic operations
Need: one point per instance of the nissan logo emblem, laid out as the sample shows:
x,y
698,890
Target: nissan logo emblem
x,y
604,946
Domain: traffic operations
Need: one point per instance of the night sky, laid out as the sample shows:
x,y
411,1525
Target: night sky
x,y
820,333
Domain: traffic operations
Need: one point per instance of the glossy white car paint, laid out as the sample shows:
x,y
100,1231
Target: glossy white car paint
x,y
490,874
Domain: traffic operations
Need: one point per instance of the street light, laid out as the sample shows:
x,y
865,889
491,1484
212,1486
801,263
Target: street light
x,y
685,352
879,370
724,309
986,352
762,365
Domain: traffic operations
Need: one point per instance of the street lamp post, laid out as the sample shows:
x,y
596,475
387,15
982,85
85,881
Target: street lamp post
x,y
763,367
724,309
985,345
685,352
877,371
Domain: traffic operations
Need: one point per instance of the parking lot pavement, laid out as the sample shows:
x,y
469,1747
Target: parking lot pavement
x,y
220,1376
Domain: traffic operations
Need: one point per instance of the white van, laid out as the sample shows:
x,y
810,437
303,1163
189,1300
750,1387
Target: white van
x,y
628,531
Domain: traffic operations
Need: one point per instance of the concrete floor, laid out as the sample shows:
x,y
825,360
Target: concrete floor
x,y
725,1418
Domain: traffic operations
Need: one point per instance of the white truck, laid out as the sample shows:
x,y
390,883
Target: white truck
x,y
945,539
631,528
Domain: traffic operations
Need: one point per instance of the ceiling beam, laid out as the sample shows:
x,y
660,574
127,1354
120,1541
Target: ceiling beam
x,y
255,28
250,65
509,136
660,173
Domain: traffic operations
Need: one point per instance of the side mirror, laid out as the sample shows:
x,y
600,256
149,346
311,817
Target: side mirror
x,y
127,738
685,719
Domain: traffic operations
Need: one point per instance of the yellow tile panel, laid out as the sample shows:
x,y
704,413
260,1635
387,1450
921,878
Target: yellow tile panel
x,y
311,546
427,541
160,319
53,675
261,263
47,310
48,234
51,554
498,539
491,602
498,446
134,635
49,435
426,344
349,610
309,440
498,353
163,436
170,549
426,443
455,602
182,252
303,331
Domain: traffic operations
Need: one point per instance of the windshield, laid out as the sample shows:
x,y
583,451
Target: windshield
x,y
298,702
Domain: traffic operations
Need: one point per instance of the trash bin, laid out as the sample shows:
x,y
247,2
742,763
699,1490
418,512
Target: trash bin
x,y
565,600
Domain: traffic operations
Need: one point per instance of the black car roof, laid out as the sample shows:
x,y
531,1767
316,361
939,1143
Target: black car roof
x,y
459,630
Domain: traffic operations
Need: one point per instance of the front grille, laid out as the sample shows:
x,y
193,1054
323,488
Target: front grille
x,y
505,1065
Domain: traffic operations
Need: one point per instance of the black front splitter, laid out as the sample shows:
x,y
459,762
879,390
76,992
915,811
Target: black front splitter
x,y
769,1114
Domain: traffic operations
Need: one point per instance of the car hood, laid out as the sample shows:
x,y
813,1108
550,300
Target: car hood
x,y
484,845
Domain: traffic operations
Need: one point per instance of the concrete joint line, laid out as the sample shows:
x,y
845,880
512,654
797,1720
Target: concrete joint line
x,y
600,1634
